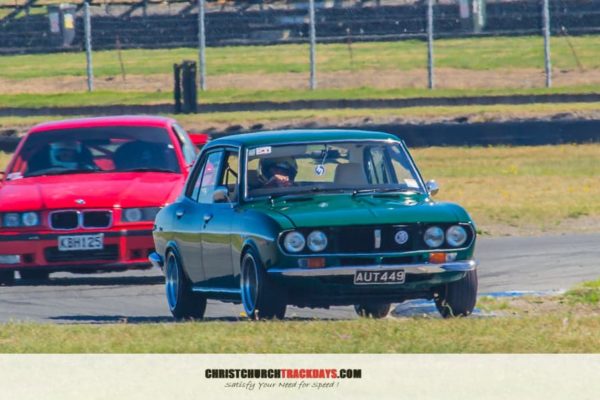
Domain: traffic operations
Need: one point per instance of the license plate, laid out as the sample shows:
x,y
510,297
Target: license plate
x,y
81,242
395,276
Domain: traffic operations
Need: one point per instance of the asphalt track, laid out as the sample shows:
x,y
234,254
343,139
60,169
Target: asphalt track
x,y
545,263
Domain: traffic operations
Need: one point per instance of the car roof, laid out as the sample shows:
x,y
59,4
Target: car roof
x,y
122,120
299,135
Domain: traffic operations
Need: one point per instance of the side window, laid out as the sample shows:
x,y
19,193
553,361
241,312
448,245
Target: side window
x,y
193,185
187,147
229,177
208,182
376,166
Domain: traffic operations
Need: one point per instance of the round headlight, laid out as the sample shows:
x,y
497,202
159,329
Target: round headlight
x,y
456,236
30,219
434,236
316,241
11,220
294,242
132,215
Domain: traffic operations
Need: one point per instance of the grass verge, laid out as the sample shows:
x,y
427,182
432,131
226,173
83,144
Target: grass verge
x,y
564,330
471,53
112,97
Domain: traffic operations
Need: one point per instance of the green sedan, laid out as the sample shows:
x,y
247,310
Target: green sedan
x,y
313,218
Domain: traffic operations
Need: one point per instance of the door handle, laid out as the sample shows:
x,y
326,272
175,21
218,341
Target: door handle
x,y
179,213
207,217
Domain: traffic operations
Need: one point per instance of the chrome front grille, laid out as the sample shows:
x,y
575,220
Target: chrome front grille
x,y
73,219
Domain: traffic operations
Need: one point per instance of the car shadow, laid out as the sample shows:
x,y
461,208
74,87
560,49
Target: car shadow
x,y
122,319
94,281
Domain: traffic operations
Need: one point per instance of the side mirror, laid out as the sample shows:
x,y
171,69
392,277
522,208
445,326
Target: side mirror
x,y
432,187
220,195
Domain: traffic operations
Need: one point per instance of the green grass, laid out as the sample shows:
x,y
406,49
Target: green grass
x,y
473,53
273,119
586,293
109,97
539,334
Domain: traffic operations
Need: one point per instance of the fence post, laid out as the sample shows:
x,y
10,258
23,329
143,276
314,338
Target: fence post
x,y
430,72
547,61
202,43
313,45
88,46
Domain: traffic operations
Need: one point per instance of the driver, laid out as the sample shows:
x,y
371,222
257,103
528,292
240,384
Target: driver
x,y
68,155
278,171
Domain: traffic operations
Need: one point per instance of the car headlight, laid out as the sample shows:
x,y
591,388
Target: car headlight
x,y
140,214
11,220
294,242
316,241
30,219
132,215
434,236
456,236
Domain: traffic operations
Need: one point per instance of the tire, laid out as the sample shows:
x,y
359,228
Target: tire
x,y
373,310
7,278
182,301
457,299
261,297
34,275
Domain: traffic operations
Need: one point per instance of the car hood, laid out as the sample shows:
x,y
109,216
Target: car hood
x,y
340,210
97,190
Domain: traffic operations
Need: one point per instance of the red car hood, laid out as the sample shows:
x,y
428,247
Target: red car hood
x,y
98,190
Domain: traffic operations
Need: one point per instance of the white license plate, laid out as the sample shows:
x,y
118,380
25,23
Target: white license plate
x,y
81,242
395,276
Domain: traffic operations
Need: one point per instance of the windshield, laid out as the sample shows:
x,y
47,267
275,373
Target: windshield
x,y
95,150
357,167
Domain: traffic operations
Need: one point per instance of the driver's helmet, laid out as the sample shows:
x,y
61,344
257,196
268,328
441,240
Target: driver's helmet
x,y
287,164
65,154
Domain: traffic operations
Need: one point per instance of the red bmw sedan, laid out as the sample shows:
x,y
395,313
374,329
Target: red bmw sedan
x,y
81,195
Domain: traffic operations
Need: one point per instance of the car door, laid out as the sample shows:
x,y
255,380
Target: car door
x,y
190,212
218,218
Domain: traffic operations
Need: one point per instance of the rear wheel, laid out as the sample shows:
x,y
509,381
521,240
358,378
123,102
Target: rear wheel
x,y
262,298
373,310
7,278
183,302
458,298
34,275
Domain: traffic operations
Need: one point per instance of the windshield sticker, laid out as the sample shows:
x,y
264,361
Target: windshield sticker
x,y
263,150
14,175
411,183
320,170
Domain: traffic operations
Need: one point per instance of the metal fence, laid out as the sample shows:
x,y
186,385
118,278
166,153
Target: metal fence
x,y
458,36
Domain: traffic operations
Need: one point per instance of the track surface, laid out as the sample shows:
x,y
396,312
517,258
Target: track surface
x,y
506,264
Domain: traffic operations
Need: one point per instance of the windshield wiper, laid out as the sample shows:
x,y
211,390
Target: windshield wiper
x,y
357,192
147,169
62,172
307,191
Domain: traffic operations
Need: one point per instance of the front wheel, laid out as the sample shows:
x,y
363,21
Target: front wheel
x,y
262,298
458,298
373,310
183,302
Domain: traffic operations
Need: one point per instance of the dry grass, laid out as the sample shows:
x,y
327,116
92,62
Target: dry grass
x,y
520,190
4,159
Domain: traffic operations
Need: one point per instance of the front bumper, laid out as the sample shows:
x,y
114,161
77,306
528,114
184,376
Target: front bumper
x,y
410,269
122,249
322,287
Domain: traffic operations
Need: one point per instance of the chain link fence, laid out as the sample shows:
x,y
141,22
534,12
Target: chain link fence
x,y
379,43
